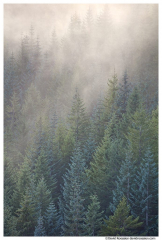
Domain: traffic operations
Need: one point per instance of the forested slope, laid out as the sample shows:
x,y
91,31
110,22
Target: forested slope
x,y
81,130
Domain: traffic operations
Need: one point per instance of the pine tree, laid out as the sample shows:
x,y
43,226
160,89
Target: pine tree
x,y
23,182
105,166
9,180
10,222
153,134
138,134
26,215
93,217
121,223
73,195
78,120
43,169
122,96
40,229
124,181
51,220
42,196
134,101
97,121
110,97
144,196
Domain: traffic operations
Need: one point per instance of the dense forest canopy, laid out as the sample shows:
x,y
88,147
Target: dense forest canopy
x,y
80,119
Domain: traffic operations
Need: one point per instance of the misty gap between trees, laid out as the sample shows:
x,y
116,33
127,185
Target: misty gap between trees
x,y
81,123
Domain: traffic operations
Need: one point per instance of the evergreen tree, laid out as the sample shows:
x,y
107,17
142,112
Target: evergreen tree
x,y
124,181
73,195
26,215
78,120
10,222
42,197
51,220
144,196
105,166
43,169
153,134
40,229
110,97
134,101
93,217
122,96
23,182
138,134
121,223
9,180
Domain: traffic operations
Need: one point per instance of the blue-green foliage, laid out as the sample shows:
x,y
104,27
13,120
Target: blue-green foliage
x,y
73,195
144,195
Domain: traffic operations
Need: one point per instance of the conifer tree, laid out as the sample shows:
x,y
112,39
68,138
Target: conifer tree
x,y
23,182
93,217
9,180
40,229
73,195
138,134
26,215
51,220
134,101
110,97
121,223
153,134
10,222
43,169
144,196
78,120
42,196
122,96
105,166
124,181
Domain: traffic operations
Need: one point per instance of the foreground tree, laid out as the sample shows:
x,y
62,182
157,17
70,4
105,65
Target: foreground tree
x,y
121,223
93,218
73,194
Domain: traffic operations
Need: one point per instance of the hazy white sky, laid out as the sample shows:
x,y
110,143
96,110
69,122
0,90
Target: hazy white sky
x,y
47,17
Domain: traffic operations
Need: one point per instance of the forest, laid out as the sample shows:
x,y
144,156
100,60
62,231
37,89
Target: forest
x,y
81,128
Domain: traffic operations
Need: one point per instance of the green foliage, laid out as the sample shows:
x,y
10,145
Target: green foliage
x,y
124,181
26,215
144,196
109,102
40,229
10,222
73,194
93,217
121,223
42,196
77,119
51,220
134,101
66,163
138,134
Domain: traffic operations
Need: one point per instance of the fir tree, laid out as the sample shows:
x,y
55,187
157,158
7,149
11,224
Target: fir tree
x,y
26,215
110,97
42,197
73,194
93,217
78,120
51,220
124,181
121,223
40,229
144,196
10,222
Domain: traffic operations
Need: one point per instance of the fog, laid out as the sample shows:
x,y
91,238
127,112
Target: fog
x,y
91,41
